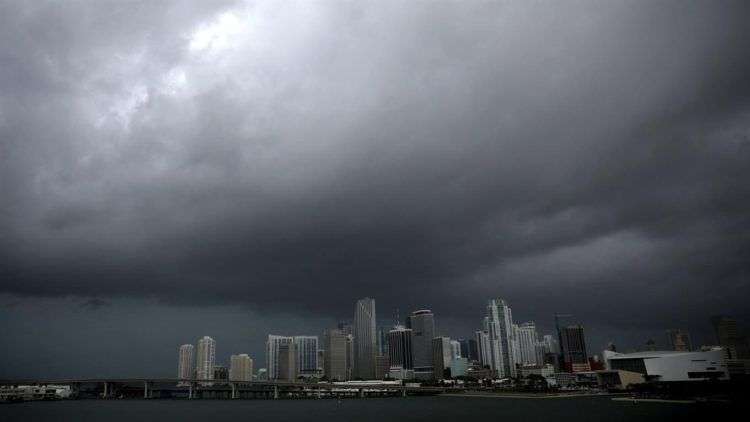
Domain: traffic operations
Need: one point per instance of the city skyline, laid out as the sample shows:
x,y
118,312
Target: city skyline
x,y
239,168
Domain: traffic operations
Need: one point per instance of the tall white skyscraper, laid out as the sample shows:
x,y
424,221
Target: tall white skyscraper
x,y
527,341
240,368
484,350
206,358
272,353
455,349
364,339
502,337
186,362
306,348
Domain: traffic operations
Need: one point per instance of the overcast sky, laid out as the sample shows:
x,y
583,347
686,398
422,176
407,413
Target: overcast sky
x,y
170,170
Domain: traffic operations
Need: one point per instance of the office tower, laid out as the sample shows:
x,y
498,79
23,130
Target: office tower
x,y
400,352
469,349
455,349
575,357
527,341
484,349
364,339
186,362
551,344
382,348
272,354
503,345
334,364
287,364
729,338
307,354
321,359
206,358
441,357
240,368
422,324
221,373
382,366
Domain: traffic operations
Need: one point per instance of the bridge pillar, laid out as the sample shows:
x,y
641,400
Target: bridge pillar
x,y
234,390
105,395
403,392
146,394
275,391
361,393
190,390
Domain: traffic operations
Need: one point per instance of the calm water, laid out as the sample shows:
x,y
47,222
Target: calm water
x,y
454,409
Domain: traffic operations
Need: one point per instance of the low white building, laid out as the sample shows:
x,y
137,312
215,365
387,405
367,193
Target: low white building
x,y
670,366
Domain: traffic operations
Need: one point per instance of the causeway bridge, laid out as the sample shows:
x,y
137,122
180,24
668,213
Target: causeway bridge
x,y
172,388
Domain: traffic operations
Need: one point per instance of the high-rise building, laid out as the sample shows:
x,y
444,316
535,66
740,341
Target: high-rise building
x,y
455,349
679,340
484,350
382,349
422,324
349,356
205,359
441,357
382,366
240,368
186,362
575,356
272,354
729,338
469,349
400,352
503,344
364,339
307,355
334,364
287,363
527,341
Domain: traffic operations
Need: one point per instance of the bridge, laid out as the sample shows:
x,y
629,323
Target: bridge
x,y
152,388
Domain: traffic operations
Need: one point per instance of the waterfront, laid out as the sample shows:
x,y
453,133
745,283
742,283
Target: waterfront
x,y
409,409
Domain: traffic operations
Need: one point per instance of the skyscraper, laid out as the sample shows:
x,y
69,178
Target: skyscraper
x,y
422,323
484,350
287,361
334,363
364,339
272,354
206,358
400,352
441,357
575,356
503,345
679,340
306,348
186,362
455,349
527,341
240,368
469,349
729,338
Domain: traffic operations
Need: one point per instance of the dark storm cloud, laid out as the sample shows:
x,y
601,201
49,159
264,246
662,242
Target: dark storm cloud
x,y
572,155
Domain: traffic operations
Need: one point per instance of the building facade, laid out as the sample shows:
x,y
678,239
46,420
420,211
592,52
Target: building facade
x,y
527,341
334,364
287,361
575,356
186,362
205,358
273,344
365,341
400,352
422,323
679,340
669,366
306,348
240,368
441,357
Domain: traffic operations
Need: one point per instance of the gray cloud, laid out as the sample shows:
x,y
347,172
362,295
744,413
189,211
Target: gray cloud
x,y
292,157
